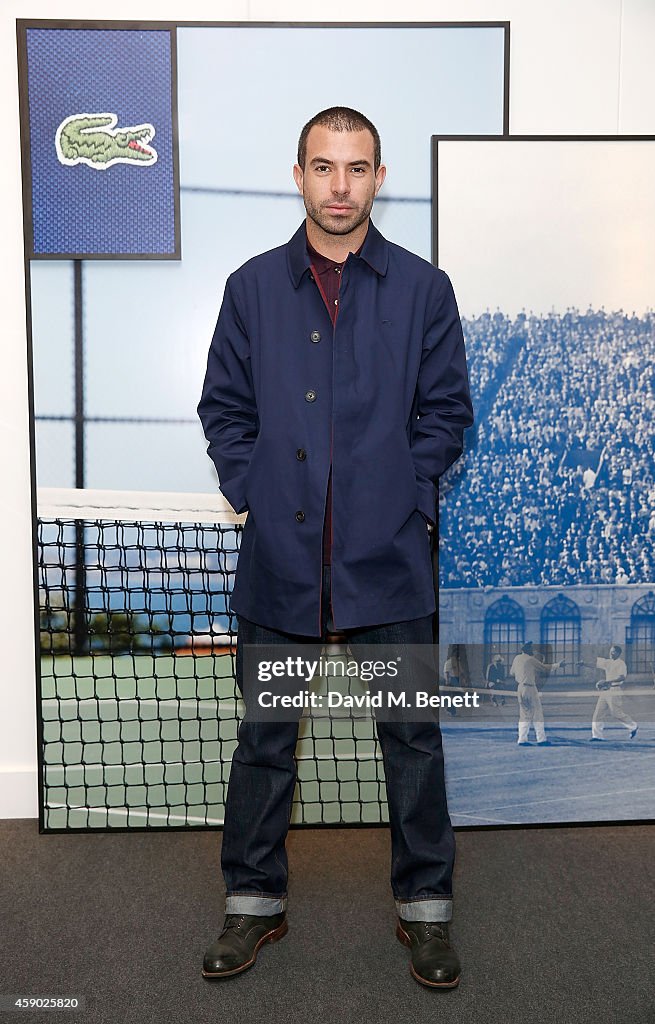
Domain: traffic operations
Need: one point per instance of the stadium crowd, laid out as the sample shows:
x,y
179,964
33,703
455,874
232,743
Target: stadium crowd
x,y
557,483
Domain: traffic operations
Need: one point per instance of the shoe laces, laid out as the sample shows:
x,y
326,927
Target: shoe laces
x,y
435,930
234,921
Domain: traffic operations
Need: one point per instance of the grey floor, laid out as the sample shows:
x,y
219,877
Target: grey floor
x,y
551,925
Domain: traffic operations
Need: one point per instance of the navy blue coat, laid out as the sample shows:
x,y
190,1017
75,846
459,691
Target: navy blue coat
x,y
383,396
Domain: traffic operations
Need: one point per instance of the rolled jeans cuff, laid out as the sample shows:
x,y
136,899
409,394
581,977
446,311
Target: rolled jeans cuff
x,y
258,906
425,909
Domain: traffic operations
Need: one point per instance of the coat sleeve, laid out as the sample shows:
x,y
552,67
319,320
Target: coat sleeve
x,y
227,407
443,400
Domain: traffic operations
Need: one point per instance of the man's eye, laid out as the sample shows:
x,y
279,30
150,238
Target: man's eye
x,y
358,170
321,167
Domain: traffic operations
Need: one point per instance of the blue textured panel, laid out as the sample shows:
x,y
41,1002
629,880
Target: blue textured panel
x,y
100,207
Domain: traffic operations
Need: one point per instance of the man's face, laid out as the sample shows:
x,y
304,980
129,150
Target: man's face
x,y
614,653
338,184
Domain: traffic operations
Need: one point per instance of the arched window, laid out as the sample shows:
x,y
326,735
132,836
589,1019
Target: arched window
x,y
504,631
560,633
640,636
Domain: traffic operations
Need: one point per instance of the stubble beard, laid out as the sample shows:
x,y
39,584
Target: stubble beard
x,y
337,225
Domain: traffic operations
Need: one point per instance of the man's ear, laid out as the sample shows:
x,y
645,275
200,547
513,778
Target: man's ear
x,y
298,176
380,175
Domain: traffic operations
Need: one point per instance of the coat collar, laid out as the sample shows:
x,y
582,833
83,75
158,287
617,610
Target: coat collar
x,y
375,251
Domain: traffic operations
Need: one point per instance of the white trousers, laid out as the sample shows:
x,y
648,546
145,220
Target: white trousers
x,y
530,712
610,705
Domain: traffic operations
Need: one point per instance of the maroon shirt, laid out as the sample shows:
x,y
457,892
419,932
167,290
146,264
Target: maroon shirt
x,y
327,274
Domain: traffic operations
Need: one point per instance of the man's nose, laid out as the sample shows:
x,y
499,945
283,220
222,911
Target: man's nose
x,y
341,182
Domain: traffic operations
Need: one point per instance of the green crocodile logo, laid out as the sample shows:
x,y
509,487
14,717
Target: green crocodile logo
x,y
94,140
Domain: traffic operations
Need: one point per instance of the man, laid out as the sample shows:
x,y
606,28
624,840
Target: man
x,y
495,676
525,669
336,395
455,670
610,700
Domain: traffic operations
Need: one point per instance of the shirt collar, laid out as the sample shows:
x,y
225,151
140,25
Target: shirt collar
x,y
375,252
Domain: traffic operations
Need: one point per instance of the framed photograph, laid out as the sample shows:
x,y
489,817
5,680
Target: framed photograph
x,y
547,523
136,548
99,141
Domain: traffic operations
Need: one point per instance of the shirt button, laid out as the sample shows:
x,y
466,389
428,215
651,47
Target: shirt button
x,y
338,270
336,302
310,396
315,336
301,455
300,517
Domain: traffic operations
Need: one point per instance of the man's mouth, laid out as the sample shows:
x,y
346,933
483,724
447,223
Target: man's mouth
x,y
340,208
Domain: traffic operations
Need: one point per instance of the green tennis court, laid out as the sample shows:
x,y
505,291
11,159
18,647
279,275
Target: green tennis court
x,y
143,740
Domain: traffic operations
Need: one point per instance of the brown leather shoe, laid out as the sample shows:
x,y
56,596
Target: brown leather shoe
x,y
236,948
434,962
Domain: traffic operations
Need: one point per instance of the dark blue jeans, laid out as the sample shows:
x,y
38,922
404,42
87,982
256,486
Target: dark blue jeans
x,y
263,779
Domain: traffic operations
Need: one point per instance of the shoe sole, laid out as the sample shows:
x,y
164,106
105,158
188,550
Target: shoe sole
x,y
273,936
403,937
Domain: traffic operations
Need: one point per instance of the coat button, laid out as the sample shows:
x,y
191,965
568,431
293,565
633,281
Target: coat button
x,y
301,455
315,336
310,396
300,517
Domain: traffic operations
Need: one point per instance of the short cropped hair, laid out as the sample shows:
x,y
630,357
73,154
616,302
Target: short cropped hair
x,y
340,119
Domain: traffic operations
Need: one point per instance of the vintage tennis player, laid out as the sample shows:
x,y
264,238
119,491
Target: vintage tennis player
x,y
336,395
526,669
610,702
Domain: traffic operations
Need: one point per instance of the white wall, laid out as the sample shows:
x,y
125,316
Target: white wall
x,y
577,67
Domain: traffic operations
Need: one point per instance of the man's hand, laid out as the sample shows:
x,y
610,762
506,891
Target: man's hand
x,y
602,684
